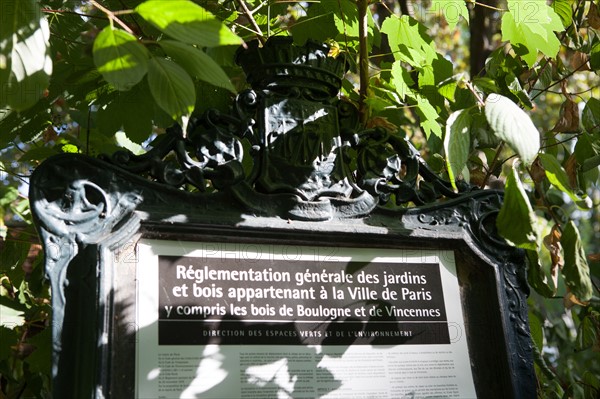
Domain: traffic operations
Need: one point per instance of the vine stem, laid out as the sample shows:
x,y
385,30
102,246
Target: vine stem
x,y
250,17
69,12
363,59
477,95
561,80
112,16
490,170
490,7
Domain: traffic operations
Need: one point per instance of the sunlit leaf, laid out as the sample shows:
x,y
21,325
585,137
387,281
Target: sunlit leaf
x,y
172,88
401,80
530,27
564,10
516,221
452,10
120,58
511,124
576,271
197,63
428,115
11,317
457,143
409,40
25,63
188,22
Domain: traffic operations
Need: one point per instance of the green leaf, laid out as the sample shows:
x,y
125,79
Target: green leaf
x,y
132,111
187,22
511,124
124,142
590,118
595,56
409,41
559,179
457,143
576,271
120,58
452,10
428,115
448,89
530,27
401,80
591,384
537,332
590,163
516,221
10,317
587,332
197,63
318,24
25,63
40,360
564,10
513,84
538,277
171,87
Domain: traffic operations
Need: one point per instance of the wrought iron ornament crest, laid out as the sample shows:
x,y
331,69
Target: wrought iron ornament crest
x,y
301,140
290,149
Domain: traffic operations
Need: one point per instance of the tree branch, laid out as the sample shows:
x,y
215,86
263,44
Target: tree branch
x,y
363,64
112,16
253,22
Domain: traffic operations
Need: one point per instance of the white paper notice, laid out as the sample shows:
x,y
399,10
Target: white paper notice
x,y
221,321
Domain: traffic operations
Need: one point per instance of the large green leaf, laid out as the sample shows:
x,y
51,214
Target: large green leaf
x,y
576,271
511,124
187,22
197,63
120,58
516,221
457,143
25,63
172,88
409,41
530,27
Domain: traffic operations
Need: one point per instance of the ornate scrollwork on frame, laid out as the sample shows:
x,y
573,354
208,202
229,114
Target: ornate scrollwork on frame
x,y
93,208
288,150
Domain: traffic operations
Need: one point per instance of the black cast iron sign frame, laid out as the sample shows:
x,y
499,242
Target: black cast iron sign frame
x,y
278,169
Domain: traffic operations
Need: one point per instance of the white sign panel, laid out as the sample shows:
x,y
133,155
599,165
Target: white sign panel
x,y
265,321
